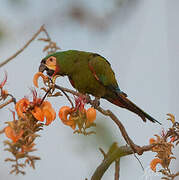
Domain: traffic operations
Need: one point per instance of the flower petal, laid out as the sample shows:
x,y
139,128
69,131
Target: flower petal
x,y
11,134
21,106
154,163
152,141
46,104
36,77
91,115
63,113
38,113
49,114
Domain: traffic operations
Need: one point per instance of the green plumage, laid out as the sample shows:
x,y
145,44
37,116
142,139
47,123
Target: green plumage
x,y
75,64
92,74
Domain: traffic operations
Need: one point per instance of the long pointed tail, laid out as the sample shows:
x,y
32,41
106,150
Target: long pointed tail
x,y
124,102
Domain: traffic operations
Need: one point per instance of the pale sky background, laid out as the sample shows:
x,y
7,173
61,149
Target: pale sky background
x,y
142,45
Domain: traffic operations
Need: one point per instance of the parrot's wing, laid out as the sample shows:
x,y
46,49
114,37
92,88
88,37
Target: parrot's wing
x,y
102,71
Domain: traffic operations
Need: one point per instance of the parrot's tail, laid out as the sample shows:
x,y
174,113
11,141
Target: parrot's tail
x,y
124,102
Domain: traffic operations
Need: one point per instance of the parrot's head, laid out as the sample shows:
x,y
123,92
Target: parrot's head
x,y
49,64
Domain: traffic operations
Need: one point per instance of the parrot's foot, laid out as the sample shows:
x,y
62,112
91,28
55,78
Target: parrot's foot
x,y
95,103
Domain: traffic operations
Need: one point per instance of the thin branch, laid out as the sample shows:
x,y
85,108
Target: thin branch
x,y
175,175
67,90
66,96
25,46
117,169
46,33
6,103
45,96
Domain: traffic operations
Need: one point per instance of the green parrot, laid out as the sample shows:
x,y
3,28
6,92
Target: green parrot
x,y
90,73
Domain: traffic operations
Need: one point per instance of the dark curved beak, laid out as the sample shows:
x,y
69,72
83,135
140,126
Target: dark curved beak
x,y
42,67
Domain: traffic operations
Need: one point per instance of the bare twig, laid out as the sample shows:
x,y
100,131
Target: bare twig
x,y
117,169
67,90
45,96
42,29
60,88
6,103
175,175
46,33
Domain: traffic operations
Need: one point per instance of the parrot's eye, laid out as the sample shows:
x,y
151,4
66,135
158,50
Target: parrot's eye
x,y
51,60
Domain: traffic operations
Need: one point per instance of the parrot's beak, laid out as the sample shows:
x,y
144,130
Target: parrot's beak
x,y
42,67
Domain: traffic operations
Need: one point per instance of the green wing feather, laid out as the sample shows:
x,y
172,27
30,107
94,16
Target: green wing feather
x,y
102,71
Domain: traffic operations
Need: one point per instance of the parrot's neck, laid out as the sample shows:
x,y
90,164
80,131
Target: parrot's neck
x,y
57,69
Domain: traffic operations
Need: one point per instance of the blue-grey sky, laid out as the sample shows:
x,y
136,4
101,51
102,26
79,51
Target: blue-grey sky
x,y
142,46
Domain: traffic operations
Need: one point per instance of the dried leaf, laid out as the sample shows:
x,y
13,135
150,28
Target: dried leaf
x,y
171,118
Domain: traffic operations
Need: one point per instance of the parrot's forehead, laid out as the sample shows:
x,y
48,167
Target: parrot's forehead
x,y
48,56
53,54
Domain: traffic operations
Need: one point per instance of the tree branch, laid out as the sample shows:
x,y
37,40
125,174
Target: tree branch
x,y
25,46
6,103
114,153
117,169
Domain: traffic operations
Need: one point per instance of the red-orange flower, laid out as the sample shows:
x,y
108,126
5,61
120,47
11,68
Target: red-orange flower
x,y
163,150
48,112
63,114
39,110
21,107
38,114
74,116
36,77
154,163
12,134
91,114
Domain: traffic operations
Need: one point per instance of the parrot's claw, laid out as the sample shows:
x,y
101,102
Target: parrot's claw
x,y
95,103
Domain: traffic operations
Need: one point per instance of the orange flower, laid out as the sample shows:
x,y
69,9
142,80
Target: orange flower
x,y
45,110
49,112
77,116
91,115
154,163
36,77
12,134
163,148
38,110
38,114
172,139
21,107
152,141
63,114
